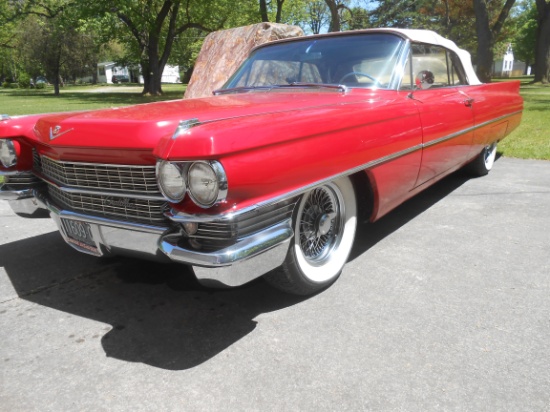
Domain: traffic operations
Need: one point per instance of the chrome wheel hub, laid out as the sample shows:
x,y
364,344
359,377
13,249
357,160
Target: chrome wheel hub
x,y
319,224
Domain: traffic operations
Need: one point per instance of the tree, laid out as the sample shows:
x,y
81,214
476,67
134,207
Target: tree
x,y
318,15
336,7
152,27
54,47
264,10
487,36
401,13
526,34
542,54
356,18
50,29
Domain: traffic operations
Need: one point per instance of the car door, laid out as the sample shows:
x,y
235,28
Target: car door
x,y
445,110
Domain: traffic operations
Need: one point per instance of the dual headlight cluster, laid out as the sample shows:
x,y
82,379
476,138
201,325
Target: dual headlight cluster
x,y
8,152
205,181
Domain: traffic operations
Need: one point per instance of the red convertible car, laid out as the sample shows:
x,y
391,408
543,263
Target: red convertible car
x,y
274,170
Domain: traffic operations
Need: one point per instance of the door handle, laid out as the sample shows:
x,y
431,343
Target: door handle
x,y
468,102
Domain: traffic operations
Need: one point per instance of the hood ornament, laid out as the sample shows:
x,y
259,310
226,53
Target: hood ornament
x,y
185,125
56,132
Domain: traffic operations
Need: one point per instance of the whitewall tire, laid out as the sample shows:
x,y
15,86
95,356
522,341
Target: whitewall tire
x,y
484,162
324,223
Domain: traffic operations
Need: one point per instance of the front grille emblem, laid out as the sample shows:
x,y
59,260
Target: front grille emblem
x,y
55,132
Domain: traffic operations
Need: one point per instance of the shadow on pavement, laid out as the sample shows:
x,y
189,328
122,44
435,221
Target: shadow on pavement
x,y
159,314
369,234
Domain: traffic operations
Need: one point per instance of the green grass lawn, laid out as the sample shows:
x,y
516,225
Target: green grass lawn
x,y
530,140
72,98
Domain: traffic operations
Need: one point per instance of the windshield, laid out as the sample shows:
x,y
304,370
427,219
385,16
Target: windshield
x,y
360,60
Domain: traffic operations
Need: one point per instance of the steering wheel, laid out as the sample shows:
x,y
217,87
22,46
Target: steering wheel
x,y
368,76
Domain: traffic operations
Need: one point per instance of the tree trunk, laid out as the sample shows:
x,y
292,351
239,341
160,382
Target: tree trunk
x,y
542,52
152,72
486,36
334,16
484,42
263,11
279,11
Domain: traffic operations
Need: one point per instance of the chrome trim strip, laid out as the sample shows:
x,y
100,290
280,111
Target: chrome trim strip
x,y
65,214
468,130
181,217
149,166
68,189
235,90
246,248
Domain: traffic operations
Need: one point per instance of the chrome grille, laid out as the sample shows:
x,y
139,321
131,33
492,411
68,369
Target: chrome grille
x,y
216,235
121,178
21,180
120,208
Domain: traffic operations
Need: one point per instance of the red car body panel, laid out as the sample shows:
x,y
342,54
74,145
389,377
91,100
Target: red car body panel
x,y
318,134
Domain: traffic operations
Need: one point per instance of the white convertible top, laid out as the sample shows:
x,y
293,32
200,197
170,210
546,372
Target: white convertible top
x,y
431,37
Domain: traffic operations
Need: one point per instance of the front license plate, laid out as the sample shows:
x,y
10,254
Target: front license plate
x,y
80,234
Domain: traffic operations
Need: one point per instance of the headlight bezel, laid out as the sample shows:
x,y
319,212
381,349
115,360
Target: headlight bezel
x,y
220,183
11,146
180,169
219,179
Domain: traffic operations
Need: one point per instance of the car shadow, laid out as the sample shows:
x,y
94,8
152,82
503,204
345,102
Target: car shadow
x,y
369,234
157,314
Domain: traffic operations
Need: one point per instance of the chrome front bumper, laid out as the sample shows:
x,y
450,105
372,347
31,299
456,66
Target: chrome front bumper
x,y
21,201
249,258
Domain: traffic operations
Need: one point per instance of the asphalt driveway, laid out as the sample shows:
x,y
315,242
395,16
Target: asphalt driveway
x,y
445,305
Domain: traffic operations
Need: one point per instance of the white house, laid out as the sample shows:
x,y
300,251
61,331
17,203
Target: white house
x,y
508,67
106,71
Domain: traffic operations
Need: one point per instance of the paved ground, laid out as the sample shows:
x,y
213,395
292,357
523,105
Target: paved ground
x,y
445,305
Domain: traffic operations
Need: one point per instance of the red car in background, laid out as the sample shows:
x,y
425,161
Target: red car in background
x,y
309,136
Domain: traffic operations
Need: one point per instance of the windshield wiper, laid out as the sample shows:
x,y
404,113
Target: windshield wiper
x,y
241,89
244,89
339,87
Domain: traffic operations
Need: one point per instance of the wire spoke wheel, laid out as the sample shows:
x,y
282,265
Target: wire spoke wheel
x,y
324,229
320,225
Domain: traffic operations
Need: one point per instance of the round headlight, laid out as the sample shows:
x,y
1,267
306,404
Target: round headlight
x,y
207,183
171,181
8,153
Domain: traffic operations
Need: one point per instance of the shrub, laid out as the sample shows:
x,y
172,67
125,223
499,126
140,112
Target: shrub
x,y
24,81
14,85
40,85
5,85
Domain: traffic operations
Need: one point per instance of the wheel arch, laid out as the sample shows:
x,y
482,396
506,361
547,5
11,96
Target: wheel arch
x,y
363,185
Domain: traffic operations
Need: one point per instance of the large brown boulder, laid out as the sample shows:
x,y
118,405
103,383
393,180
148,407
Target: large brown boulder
x,y
223,52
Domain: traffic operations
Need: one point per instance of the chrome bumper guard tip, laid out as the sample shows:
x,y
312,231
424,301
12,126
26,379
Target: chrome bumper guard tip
x,y
21,202
248,259
7,194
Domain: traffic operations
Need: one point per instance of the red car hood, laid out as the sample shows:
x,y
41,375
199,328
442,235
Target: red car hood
x,y
146,127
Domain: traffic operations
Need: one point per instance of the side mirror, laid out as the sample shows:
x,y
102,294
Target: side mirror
x,y
424,79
